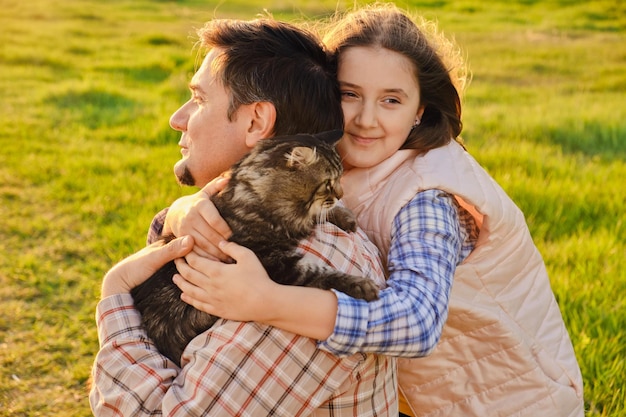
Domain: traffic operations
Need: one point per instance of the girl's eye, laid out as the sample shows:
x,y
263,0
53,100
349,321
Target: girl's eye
x,y
348,94
391,100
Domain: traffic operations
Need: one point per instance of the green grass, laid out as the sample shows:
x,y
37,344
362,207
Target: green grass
x,y
86,160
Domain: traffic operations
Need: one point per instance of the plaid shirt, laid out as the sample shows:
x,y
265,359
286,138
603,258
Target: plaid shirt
x,y
431,235
243,369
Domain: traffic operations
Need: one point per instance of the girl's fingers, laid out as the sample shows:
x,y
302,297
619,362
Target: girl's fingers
x,y
192,295
196,270
235,251
187,287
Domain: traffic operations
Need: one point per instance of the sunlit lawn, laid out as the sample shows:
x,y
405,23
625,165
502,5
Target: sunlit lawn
x,y
86,157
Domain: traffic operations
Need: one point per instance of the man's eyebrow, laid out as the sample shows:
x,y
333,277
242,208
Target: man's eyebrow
x,y
196,88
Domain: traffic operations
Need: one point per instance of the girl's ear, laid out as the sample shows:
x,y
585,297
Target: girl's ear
x,y
420,112
262,121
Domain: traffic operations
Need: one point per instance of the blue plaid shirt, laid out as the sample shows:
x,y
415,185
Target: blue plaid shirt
x,y
431,235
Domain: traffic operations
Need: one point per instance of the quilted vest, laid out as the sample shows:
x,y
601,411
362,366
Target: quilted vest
x,y
504,350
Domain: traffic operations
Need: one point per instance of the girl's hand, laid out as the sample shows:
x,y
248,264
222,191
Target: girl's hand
x,y
140,266
236,291
195,215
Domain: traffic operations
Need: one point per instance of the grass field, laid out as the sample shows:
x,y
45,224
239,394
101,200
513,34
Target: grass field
x,y
87,88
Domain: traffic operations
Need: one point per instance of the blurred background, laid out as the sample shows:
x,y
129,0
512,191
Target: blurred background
x,y
86,157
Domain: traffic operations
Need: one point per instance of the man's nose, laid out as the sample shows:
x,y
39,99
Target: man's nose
x,y
178,120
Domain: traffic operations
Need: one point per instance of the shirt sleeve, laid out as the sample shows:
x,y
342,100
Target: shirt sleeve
x,y
235,368
129,376
408,318
156,227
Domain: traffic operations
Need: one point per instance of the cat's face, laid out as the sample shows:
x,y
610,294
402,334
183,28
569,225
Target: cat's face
x,y
318,169
297,178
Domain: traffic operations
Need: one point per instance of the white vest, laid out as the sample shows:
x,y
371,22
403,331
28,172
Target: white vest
x,y
504,350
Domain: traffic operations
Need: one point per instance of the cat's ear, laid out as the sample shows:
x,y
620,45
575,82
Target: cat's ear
x,y
331,137
301,156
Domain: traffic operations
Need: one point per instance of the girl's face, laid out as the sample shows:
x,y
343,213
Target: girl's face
x,y
380,98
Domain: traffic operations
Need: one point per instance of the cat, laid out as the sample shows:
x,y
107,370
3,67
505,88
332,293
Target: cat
x,y
276,195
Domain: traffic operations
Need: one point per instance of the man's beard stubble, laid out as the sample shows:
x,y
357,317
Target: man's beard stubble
x,y
186,178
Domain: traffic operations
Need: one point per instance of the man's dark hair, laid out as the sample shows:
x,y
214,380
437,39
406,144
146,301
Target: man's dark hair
x,y
268,60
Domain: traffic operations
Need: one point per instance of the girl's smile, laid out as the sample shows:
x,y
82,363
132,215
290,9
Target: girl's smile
x,y
359,139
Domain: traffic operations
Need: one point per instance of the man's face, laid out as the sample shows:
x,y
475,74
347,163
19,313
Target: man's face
x,y
210,143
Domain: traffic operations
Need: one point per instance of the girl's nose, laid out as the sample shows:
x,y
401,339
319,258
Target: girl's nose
x,y
367,115
178,120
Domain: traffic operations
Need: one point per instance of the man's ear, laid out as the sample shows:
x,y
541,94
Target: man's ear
x,y
262,121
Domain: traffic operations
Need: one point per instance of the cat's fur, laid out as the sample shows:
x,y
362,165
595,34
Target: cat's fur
x,y
274,198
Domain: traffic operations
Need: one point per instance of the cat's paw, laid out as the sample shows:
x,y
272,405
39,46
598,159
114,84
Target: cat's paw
x,y
364,289
343,219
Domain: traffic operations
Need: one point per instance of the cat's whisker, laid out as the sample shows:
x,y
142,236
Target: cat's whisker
x,y
322,216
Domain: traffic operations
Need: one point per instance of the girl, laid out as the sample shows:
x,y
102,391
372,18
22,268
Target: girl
x,y
494,343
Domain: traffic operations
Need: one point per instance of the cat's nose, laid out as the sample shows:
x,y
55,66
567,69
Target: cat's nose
x,y
338,190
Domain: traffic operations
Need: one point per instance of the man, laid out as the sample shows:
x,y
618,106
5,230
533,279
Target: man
x,y
259,79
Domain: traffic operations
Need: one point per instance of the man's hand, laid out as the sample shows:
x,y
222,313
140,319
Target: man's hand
x,y
140,266
195,215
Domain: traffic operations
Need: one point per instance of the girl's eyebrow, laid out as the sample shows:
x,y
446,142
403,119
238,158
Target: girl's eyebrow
x,y
347,84
398,91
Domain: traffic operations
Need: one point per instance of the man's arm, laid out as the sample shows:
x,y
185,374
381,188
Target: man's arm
x,y
129,375
255,366
234,368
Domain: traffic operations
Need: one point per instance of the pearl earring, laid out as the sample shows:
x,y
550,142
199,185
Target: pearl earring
x,y
417,122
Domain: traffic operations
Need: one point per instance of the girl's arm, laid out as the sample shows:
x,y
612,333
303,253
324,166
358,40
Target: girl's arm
x,y
407,319
243,291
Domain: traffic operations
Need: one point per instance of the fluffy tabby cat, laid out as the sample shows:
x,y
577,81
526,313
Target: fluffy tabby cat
x,y
274,198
